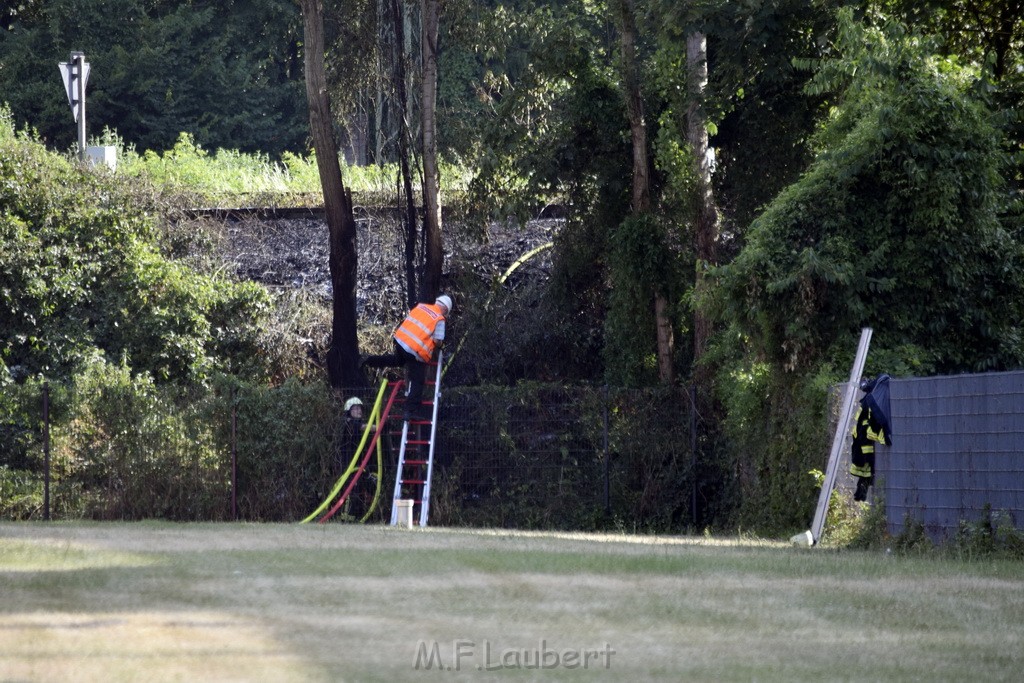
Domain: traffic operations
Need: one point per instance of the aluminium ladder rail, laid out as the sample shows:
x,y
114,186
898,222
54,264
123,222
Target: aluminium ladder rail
x,y
416,468
842,429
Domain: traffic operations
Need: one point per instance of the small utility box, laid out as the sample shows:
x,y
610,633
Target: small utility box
x,y
103,155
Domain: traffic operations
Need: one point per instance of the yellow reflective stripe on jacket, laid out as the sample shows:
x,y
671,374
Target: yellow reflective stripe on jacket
x,y
870,433
862,471
878,436
416,331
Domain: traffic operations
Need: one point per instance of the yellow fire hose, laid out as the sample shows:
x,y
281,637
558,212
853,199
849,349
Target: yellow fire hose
x,y
373,420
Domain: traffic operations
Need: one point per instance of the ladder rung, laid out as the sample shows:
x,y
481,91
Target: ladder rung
x,y
413,442
415,462
414,481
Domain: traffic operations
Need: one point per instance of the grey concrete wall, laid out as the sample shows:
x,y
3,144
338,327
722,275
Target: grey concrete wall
x,y
958,444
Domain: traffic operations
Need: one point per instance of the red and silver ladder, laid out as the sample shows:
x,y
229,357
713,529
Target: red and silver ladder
x,y
416,455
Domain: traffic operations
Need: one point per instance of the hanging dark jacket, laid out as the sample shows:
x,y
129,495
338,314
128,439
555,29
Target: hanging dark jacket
x,y
877,401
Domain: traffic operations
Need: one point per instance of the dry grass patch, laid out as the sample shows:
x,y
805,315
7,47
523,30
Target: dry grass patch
x,y
104,647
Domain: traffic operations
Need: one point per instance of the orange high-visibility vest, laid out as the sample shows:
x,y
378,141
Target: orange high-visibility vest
x,y
416,331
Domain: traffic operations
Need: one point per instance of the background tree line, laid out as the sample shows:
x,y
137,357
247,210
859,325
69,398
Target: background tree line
x,y
749,183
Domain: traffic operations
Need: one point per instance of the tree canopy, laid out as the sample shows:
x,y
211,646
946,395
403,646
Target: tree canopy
x,y
229,73
896,223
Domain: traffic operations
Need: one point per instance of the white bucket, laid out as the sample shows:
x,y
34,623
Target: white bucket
x,y
404,518
805,539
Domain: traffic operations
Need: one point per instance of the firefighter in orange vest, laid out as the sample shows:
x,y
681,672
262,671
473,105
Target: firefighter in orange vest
x,y
416,339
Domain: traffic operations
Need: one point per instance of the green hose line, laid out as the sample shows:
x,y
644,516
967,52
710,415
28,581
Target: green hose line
x,y
523,259
354,465
511,269
376,494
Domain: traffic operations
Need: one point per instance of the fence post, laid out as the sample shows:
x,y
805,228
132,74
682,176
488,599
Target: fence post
x,y
693,455
234,455
46,451
607,463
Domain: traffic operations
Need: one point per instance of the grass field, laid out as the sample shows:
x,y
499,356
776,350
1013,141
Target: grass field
x,y
245,602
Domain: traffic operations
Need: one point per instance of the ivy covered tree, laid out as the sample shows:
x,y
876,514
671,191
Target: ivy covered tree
x,y
896,225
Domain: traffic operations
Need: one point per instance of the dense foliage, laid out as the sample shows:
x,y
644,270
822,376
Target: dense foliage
x,y
866,175
897,225
83,275
122,446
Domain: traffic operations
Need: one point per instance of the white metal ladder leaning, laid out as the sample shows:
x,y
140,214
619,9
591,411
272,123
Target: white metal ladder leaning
x,y
416,457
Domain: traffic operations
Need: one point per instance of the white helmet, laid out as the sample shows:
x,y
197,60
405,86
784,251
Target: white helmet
x,y
446,301
354,401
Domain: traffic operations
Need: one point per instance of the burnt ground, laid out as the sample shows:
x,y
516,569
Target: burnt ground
x,y
292,254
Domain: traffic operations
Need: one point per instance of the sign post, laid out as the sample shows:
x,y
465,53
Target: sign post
x,y
75,73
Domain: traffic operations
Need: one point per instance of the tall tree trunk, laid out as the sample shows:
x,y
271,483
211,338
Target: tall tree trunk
x,y
705,212
411,64
343,355
635,109
399,17
641,173
431,281
356,132
378,106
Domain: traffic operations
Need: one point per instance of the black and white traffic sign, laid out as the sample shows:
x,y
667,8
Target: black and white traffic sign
x,y
76,75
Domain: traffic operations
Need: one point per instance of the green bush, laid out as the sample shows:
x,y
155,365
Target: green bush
x,y
775,430
126,448
286,448
992,535
21,494
870,530
81,271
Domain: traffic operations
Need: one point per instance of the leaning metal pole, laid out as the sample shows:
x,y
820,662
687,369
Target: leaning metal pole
x,y
79,60
842,425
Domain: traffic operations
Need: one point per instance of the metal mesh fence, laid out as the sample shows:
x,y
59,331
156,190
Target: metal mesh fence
x,y
535,456
566,457
530,457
